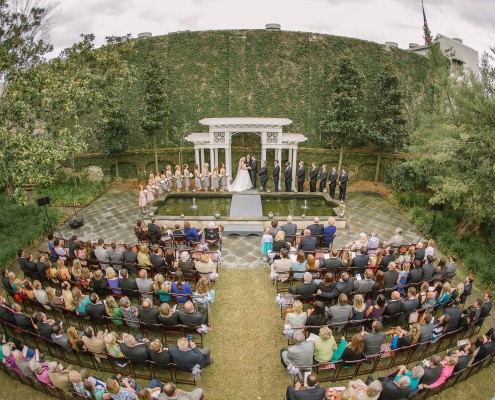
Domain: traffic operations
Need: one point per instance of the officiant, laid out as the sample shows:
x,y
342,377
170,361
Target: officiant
x,y
254,170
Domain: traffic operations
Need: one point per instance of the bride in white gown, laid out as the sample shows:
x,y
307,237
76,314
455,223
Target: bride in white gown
x,y
242,180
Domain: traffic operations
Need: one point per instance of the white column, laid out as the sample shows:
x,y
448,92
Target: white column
x,y
279,156
216,158
212,158
196,157
294,166
289,157
202,159
263,153
228,167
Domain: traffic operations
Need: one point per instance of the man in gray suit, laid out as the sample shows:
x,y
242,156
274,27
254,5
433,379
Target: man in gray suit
x,y
102,254
300,354
171,392
374,340
341,312
455,314
365,285
426,329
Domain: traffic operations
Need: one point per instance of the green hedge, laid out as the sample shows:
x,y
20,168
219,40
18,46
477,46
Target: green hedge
x,y
260,73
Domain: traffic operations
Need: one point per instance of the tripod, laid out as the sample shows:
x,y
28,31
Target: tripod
x,y
49,223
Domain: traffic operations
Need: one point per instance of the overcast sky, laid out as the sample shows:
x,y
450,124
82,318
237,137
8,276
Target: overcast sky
x,y
399,21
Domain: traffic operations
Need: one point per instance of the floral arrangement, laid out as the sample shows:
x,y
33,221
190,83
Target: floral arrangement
x,y
182,176
227,174
190,175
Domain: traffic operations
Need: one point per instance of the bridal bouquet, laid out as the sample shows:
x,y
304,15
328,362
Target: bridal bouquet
x,y
227,174
190,175
162,181
182,176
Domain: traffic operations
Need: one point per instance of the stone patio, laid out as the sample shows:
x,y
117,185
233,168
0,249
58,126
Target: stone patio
x,y
113,215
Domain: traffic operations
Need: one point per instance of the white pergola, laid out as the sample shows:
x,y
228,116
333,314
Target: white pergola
x,y
221,130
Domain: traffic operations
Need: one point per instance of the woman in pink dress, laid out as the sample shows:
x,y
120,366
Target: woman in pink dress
x,y
149,194
142,199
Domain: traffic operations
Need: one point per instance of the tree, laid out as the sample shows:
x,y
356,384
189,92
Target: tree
x,y
455,148
387,120
343,123
155,110
49,108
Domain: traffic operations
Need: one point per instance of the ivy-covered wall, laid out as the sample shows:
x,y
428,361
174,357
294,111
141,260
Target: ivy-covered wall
x,y
260,73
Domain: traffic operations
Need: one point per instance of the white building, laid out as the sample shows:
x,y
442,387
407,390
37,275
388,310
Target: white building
x,y
462,57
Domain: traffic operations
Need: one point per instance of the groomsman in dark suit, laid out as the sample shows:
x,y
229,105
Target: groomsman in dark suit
x,y
263,174
254,170
323,177
334,175
301,176
313,177
342,185
276,174
288,177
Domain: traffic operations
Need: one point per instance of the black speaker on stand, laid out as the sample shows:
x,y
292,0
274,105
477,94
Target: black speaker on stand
x,y
75,222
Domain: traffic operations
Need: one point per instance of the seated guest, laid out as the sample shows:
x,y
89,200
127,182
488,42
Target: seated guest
x,y
161,288
113,311
154,231
325,345
373,243
445,294
94,343
391,276
171,392
191,233
329,231
416,273
96,310
40,294
166,316
134,350
300,354
307,242
181,289
186,355
341,312
21,320
129,313
393,390
67,296
206,267
395,241
126,283
158,353
143,258
282,266
118,392
402,338
374,340
429,270
6,312
40,267
145,284
360,390
299,265
189,316
116,255
59,249
148,313
274,227
328,283
60,337
295,319
44,326
387,258
410,303
307,288
101,254
419,252
315,228
113,281
361,261
361,242
359,307
394,307
140,227
426,328
432,370
157,260
366,284
312,390
100,284
354,350
289,228
279,242
317,317
130,254
170,261
80,301
451,268
333,261
186,265
440,327
53,299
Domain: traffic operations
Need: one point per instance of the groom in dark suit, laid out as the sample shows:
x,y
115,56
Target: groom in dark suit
x,y
313,177
254,170
263,174
301,176
333,182
276,174
288,177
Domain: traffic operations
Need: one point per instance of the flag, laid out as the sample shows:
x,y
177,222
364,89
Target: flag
x,y
426,30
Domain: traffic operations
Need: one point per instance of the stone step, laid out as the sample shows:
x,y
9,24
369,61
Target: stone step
x,y
243,229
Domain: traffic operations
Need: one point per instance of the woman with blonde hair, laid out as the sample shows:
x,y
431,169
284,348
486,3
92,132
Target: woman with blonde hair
x,y
161,288
50,271
358,308
313,264
75,341
204,294
53,299
86,278
67,296
324,345
76,269
402,338
215,179
206,267
113,281
80,301
187,179
178,178
206,177
112,346
295,320
445,294
62,271
430,248
143,258
113,310
279,242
